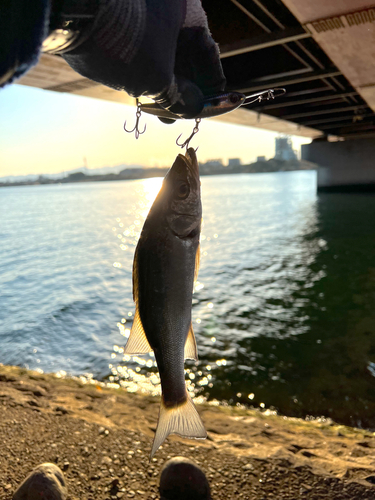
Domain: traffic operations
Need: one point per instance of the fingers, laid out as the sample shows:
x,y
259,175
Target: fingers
x,y
190,101
198,60
198,71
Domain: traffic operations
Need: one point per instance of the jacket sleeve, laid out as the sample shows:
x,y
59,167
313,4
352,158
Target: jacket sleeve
x,y
23,27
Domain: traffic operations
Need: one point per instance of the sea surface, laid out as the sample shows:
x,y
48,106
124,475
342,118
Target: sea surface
x,y
283,311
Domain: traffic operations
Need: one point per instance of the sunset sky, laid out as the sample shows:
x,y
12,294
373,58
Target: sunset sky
x,y
49,132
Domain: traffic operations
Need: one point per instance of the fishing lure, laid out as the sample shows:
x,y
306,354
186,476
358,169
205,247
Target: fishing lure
x,y
212,106
216,105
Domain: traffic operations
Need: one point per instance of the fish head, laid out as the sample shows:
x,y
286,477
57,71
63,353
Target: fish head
x,y
182,196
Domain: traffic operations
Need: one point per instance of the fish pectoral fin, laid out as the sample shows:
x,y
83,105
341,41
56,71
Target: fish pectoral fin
x,y
137,342
191,351
183,419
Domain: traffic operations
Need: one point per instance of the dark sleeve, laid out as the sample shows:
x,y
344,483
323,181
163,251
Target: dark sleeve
x,y
23,27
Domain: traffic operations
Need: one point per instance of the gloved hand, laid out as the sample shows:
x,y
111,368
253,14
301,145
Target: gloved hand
x,y
156,48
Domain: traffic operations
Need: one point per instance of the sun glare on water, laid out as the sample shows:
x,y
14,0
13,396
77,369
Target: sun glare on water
x,y
147,192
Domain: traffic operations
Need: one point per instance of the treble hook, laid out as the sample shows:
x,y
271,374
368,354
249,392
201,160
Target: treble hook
x,y
195,130
136,126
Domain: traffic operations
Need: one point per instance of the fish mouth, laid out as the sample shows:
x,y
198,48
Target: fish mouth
x,y
192,162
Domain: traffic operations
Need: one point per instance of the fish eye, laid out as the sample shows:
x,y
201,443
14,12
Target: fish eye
x,y
183,190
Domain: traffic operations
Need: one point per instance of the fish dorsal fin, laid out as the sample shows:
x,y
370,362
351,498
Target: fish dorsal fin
x,y
137,341
197,259
191,351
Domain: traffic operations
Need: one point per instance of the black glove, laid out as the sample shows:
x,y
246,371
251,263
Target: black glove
x,y
156,48
23,26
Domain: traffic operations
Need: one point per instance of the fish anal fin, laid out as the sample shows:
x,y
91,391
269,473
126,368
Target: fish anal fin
x,y
197,260
191,351
183,419
137,342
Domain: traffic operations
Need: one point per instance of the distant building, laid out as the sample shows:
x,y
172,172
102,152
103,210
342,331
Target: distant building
x,y
234,162
211,167
213,163
284,149
261,158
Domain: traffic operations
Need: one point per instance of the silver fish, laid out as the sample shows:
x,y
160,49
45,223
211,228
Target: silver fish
x,y
215,105
212,106
165,266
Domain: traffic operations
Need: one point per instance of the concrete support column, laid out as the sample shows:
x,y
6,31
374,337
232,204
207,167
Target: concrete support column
x,y
344,166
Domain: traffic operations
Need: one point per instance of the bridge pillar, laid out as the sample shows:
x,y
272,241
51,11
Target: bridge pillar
x,y
344,166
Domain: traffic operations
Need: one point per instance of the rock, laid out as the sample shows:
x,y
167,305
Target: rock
x,y
45,481
308,454
34,403
7,378
61,409
36,390
248,467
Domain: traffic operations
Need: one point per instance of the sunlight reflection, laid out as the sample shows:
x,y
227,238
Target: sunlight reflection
x,y
147,191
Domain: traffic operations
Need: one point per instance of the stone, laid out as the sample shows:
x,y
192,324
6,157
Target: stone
x,y
46,481
248,467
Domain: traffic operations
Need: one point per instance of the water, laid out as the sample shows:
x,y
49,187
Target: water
x,y
284,308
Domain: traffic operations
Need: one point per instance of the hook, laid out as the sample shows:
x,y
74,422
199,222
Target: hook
x,y
136,126
195,130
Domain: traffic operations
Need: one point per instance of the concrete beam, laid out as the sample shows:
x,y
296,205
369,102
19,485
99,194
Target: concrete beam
x,y
335,119
263,42
325,111
299,102
253,85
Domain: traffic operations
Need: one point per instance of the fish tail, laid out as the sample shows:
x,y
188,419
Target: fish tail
x,y
182,419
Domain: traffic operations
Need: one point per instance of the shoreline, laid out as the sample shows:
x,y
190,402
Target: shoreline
x,y
101,438
270,166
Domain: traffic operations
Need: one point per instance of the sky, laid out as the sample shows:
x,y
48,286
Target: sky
x,y
45,132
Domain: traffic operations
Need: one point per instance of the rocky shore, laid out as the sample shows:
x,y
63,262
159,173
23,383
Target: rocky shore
x,y
101,438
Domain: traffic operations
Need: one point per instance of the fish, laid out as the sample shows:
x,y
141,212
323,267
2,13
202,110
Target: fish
x,y
165,266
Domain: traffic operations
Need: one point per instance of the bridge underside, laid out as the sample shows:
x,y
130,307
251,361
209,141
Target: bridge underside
x,y
321,52
265,44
